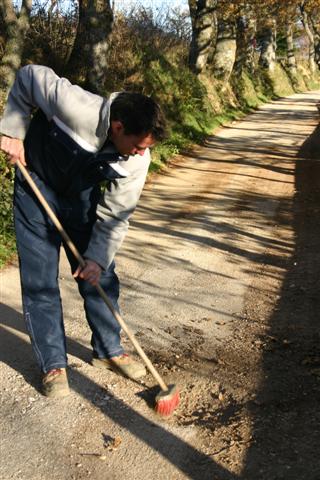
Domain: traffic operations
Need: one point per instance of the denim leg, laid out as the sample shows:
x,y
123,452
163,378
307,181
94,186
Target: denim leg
x,y
105,328
38,246
105,339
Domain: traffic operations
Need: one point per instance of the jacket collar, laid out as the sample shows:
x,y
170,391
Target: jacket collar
x,y
104,123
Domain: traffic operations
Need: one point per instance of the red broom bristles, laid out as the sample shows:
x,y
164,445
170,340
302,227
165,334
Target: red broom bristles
x,y
167,401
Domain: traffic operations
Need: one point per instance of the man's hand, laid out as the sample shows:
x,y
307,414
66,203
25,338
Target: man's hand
x,y
14,148
91,272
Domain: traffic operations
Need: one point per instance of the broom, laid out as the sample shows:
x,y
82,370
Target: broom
x,y
168,398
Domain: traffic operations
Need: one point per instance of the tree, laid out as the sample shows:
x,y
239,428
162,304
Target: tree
x,y
268,43
309,32
225,52
246,25
315,22
310,13
274,16
203,23
287,18
16,25
235,44
292,63
88,60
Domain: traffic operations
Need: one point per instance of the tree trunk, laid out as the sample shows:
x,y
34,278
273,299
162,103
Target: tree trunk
x,y
246,40
268,46
88,61
225,53
292,63
16,29
316,29
305,22
203,22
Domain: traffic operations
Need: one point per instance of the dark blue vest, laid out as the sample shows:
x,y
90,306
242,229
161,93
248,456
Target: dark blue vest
x,y
61,163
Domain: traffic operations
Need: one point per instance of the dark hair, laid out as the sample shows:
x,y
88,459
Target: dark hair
x,y
139,114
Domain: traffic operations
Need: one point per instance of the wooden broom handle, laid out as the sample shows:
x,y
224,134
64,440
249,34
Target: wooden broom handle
x,y
82,264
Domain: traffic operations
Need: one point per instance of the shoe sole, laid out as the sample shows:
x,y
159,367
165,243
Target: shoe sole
x,y
56,394
96,362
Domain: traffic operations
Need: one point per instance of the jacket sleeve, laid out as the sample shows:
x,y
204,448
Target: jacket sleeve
x,y
37,86
114,210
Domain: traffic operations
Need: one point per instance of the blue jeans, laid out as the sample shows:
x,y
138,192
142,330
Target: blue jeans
x,y
38,244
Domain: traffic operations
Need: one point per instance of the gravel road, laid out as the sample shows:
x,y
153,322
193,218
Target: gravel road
x,y
220,283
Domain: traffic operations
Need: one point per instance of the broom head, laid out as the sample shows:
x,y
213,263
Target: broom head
x,y
167,401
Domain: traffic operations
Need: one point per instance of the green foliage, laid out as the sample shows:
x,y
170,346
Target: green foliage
x,y
155,63
311,81
281,83
253,90
185,101
51,35
282,47
297,81
183,98
7,238
248,90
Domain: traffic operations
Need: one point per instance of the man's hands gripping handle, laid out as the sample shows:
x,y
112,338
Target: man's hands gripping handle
x,y
14,149
91,272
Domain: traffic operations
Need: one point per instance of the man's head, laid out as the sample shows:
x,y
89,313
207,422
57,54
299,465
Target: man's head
x,y
136,123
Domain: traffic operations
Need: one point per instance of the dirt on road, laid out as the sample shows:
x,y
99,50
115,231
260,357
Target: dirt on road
x,y
220,282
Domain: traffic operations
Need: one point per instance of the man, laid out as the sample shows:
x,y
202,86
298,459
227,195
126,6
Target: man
x,y
75,141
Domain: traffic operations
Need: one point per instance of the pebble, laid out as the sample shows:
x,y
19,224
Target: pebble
x,y
221,397
215,389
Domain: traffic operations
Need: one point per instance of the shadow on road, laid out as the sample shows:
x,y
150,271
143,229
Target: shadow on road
x,y
286,416
16,353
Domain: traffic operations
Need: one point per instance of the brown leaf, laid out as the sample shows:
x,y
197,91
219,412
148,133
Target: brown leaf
x,y
113,443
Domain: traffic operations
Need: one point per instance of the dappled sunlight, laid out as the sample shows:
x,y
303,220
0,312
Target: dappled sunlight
x,y
186,225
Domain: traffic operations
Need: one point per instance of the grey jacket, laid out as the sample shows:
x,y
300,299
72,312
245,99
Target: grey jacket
x,y
85,117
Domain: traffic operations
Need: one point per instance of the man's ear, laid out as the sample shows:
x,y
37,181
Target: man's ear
x,y
116,127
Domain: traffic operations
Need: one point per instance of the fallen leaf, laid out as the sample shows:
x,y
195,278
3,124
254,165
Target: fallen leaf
x,y
113,443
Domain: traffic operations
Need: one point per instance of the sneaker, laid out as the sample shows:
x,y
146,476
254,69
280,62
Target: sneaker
x,y
122,364
55,383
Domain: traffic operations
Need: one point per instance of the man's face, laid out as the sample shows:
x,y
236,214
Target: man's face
x,y
129,144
